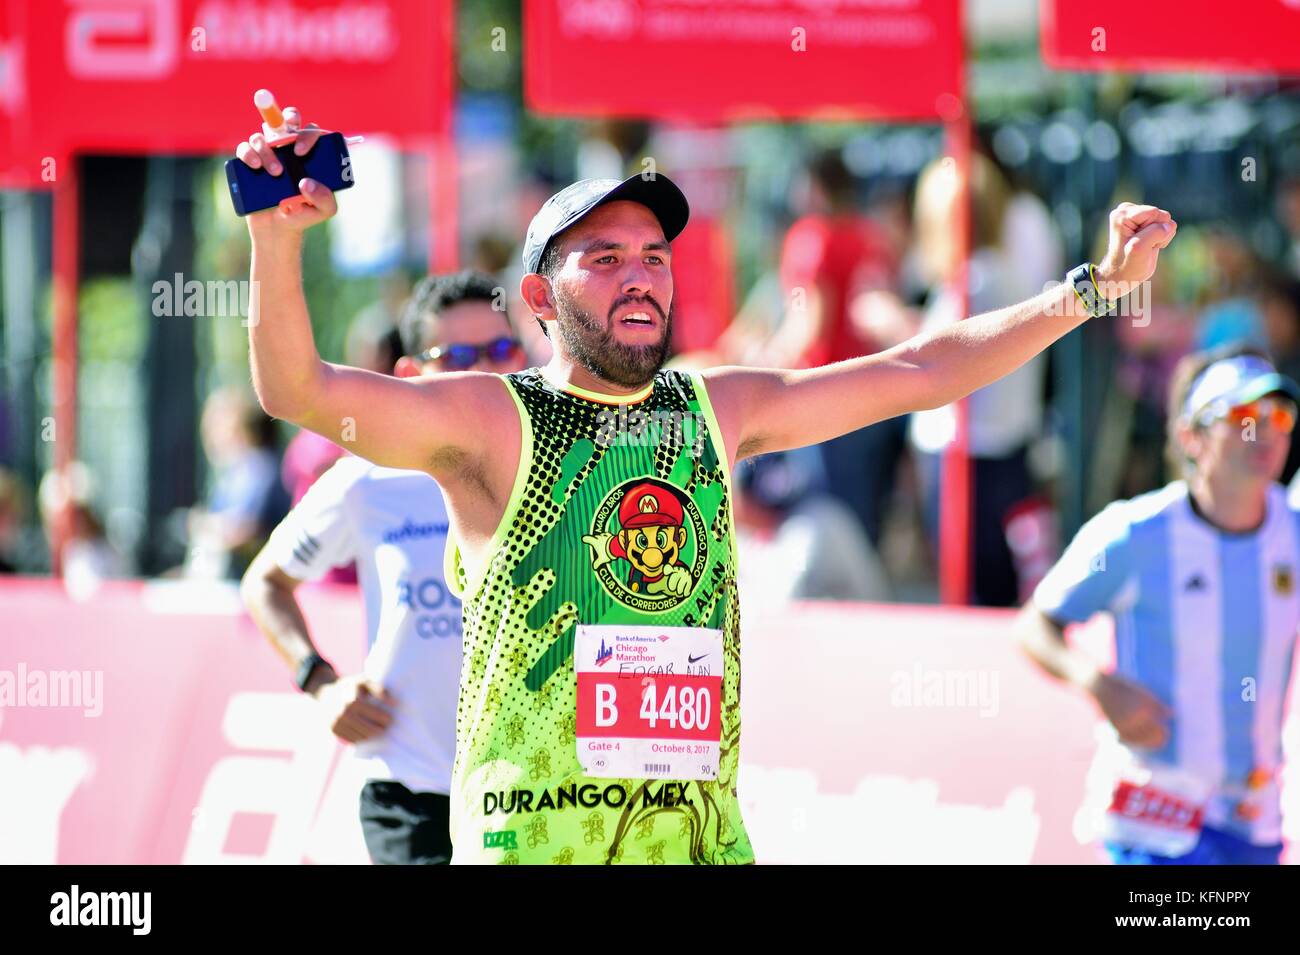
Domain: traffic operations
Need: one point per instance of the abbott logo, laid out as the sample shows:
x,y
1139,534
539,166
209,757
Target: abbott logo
x,y
121,39
102,908
283,780
13,91
39,784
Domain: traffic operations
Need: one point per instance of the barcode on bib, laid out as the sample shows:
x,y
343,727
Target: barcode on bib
x,y
658,767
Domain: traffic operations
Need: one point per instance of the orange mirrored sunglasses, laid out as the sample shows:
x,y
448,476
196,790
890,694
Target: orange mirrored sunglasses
x,y
1279,412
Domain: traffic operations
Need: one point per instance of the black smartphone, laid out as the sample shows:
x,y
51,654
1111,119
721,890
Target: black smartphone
x,y
327,162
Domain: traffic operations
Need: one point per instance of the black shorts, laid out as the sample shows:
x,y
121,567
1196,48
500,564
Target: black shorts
x,y
405,828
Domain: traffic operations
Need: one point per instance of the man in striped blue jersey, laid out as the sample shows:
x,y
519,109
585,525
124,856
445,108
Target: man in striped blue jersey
x,y
1201,579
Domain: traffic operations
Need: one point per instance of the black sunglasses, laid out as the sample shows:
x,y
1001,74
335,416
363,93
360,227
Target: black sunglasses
x,y
461,357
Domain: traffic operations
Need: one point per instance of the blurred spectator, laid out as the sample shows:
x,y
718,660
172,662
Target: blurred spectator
x,y
1279,305
1288,208
493,254
756,320
1151,346
68,516
534,191
1233,314
13,504
799,543
1005,417
307,457
831,253
247,499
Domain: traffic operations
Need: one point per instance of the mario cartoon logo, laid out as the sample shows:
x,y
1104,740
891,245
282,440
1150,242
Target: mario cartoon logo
x,y
647,545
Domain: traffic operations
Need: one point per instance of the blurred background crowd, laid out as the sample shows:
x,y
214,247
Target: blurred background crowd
x,y
810,243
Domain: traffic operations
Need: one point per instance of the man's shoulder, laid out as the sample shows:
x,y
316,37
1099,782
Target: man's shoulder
x,y
474,390
1152,504
524,378
1286,499
1142,512
1291,492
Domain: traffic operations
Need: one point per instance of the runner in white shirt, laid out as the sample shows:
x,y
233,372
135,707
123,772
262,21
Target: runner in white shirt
x,y
1201,578
400,711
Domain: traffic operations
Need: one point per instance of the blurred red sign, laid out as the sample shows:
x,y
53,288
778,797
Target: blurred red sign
x,y
21,166
1262,36
178,75
743,59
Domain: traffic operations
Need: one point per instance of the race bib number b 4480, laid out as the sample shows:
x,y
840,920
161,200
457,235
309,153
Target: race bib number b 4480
x,y
649,701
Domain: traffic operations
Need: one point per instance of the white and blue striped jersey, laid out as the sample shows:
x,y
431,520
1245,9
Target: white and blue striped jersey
x,y
1206,620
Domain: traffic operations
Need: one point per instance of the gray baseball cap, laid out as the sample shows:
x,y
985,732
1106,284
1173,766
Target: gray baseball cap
x,y
657,193
1235,381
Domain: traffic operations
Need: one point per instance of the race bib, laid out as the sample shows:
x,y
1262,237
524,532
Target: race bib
x,y
649,701
1156,808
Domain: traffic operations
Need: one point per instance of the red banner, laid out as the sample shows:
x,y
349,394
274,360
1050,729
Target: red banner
x,y
743,59
175,76
153,724
21,165
1258,37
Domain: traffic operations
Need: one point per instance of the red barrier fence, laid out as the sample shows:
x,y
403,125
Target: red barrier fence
x,y
872,734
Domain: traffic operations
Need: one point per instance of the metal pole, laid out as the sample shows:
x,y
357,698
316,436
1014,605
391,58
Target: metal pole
x,y
25,267
955,491
64,269
444,175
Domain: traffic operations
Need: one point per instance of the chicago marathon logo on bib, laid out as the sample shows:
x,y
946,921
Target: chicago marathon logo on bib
x,y
647,545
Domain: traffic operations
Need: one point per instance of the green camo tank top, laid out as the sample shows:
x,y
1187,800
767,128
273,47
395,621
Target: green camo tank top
x,y
618,540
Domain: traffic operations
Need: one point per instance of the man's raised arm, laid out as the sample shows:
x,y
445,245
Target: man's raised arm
x,y
774,410
421,424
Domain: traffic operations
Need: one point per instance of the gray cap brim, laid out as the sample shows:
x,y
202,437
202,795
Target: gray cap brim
x,y
1264,385
657,193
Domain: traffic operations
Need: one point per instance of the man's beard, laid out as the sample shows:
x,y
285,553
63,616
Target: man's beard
x,y
593,344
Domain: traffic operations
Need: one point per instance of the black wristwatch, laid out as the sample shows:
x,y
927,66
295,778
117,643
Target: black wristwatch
x,y
305,669
1084,283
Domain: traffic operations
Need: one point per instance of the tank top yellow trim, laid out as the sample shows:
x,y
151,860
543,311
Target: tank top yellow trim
x,y
600,397
711,420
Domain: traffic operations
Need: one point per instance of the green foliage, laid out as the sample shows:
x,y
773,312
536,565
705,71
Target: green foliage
x,y
483,28
111,325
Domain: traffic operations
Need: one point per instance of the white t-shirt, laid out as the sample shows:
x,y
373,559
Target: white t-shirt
x,y
393,523
819,552
1005,415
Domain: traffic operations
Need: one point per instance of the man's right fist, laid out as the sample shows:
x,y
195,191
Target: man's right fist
x,y
318,202
353,708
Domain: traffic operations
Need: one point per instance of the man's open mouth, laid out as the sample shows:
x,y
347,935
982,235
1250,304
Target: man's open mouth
x,y
638,319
